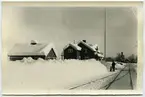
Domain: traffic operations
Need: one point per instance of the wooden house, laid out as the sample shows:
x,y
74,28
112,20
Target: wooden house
x,y
82,50
71,51
33,50
87,51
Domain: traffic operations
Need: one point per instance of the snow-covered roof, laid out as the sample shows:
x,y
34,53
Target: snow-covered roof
x,y
95,46
100,55
34,41
47,49
28,49
98,51
89,46
75,46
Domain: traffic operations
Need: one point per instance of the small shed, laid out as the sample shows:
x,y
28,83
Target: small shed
x,y
71,51
33,50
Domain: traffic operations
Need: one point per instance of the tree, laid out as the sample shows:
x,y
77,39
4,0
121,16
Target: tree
x,y
120,57
132,58
109,59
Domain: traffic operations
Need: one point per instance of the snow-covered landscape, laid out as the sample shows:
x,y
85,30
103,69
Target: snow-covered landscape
x,y
29,75
68,48
50,75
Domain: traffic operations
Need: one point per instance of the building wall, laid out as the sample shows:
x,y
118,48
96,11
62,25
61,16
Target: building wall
x,y
51,55
86,53
71,53
98,58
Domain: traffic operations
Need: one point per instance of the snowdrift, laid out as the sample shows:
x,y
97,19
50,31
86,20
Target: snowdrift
x,y
117,66
29,74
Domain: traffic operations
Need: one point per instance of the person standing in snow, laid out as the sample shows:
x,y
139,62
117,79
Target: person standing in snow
x,y
113,66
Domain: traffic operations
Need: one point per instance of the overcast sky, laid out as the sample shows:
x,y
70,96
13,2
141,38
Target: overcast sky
x,y
62,25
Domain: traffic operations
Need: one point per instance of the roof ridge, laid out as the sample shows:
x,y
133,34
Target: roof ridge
x,y
87,45
41,48
26,48
73,44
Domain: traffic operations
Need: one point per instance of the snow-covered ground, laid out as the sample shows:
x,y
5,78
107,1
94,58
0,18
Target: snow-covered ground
x,y
118,66
48,75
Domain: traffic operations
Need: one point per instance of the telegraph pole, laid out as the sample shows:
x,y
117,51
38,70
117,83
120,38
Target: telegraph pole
x,y
105,33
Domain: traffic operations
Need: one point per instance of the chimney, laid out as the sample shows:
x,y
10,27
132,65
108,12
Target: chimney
x,y
33,42
121,53
74,41
84,41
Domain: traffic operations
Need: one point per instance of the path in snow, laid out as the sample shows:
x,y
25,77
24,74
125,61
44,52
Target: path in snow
x,y
125,79
128,81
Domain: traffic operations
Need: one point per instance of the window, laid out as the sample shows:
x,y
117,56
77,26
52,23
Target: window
x,y
70,50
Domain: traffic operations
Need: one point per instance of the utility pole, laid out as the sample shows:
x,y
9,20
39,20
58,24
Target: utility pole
x,y
105,32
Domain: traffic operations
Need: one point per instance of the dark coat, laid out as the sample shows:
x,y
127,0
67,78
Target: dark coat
x,y
113,64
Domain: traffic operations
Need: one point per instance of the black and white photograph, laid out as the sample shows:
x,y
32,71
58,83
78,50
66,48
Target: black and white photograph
x,y
48,48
